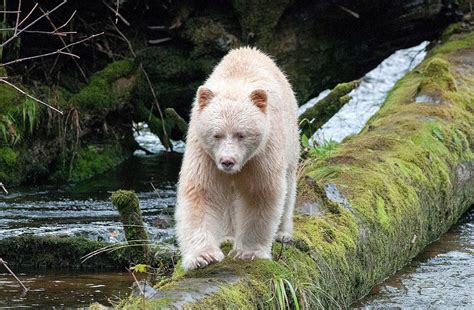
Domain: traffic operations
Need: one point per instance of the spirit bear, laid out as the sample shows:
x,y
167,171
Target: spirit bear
x,y
238,177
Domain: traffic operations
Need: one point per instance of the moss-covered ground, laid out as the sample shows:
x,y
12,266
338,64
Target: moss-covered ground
x,y
384,195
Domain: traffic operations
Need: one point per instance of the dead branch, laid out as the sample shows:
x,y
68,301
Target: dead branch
x,y
117,14
64,42
59,51
150,85
15,35
4,188
4,263
17,18
3,80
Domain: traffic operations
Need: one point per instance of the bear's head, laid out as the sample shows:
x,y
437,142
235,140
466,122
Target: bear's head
x,y
232,129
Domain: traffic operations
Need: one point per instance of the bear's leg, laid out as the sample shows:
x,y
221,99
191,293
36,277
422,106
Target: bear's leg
x,y
285,229
199,227
257,217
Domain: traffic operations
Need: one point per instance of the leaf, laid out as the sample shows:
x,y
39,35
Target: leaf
x,y
304,140
140,268
438,133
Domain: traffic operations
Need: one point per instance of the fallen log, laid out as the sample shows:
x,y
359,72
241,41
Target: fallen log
x,y
366,209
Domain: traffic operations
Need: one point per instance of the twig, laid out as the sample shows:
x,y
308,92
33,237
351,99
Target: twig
x,y
28,15
3,80
155,189
150,85
59,51
17,18
136,281
116,12
158,41
84,76
4,188
4,263
32,23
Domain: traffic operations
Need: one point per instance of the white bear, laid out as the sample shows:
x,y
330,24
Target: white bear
x,y
238,177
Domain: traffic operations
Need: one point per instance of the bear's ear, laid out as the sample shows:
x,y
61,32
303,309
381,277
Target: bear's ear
x,y
204,95
259,98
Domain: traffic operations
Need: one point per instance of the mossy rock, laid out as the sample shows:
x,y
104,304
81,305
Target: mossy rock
x,y
101,95
96,159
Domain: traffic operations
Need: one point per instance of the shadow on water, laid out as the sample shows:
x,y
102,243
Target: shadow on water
x,y
85,209
441,276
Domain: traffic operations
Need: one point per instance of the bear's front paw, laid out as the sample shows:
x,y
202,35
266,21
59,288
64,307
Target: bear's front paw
x,y
249,254
202,259
283,236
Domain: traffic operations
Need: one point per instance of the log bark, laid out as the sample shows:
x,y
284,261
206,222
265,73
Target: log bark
x,y
368,208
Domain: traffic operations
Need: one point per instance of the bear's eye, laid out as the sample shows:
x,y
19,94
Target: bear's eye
x,y
217,136
240,135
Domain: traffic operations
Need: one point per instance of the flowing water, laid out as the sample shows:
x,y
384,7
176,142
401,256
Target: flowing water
x,y
441,277
85,210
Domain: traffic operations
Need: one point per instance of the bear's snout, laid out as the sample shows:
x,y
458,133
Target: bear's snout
x,y
227,163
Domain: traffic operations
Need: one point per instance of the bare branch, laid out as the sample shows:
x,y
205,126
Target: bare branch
x,y
4,263
84,76
32,23
158,41
116,12
59,51
65,24
150,84
17,17
28,15
3,80
4,188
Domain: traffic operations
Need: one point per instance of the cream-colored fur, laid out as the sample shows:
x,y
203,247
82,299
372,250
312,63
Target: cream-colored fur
x,y
238,177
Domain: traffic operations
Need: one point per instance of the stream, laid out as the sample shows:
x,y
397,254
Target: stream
x,y
85,210
441,276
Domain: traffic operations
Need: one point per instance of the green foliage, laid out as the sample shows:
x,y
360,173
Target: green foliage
x,y
95,159
284,294
311,149
140,268
100,95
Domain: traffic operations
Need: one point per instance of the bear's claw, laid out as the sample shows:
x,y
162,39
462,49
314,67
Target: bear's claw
x,y
283,237
203,259
249,254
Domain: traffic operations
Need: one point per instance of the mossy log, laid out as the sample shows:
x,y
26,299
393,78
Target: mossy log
x,y
368,208
316,116
128,207
59,252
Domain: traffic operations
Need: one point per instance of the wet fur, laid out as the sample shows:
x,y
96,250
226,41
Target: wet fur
x,y
253,204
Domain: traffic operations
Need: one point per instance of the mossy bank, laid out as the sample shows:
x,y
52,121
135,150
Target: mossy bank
x,y
367,208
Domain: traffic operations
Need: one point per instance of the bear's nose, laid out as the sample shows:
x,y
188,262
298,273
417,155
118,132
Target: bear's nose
x,y
227,163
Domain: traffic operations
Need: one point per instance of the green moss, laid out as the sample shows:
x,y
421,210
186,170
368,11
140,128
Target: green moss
x,y
314,117
398,179
100,94
456,44
9,165
57,252
209,36
126,202
8,98
95,159
259,18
